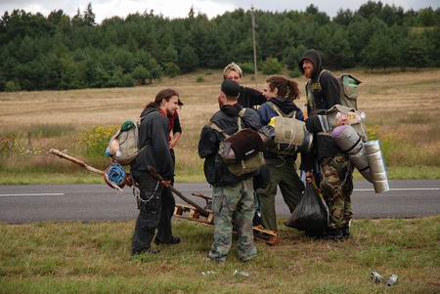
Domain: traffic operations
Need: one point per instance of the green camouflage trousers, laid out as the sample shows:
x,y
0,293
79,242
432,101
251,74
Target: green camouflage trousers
x,y
291,187
337,186
233,204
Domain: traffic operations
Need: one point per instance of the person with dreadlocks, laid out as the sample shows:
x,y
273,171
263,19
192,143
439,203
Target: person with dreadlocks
x,y
155,200
280,159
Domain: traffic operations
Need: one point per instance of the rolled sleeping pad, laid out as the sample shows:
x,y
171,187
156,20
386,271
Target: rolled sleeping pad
x,y
377,166
291,131
350,142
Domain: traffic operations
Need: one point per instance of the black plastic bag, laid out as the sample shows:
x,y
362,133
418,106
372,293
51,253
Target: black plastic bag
x,y
311,213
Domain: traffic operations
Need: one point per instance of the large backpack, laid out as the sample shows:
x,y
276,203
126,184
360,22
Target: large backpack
x,y
349,88
349,92
290,131
123,146
241,162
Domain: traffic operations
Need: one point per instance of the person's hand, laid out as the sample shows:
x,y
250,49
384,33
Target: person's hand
x,y
172,143
166,183
309,177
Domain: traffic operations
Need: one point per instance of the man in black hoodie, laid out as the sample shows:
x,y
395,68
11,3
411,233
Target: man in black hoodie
x,y
155,200
333,166
233,197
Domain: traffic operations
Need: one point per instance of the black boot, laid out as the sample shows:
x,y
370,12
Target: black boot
x,y
146,251
346,231
335,235
174,240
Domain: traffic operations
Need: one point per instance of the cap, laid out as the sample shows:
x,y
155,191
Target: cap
x,y
230,88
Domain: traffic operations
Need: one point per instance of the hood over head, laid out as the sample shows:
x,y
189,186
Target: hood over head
x,y
315,58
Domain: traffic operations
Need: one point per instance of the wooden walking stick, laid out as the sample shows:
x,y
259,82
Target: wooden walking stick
x,y
83,164
156,175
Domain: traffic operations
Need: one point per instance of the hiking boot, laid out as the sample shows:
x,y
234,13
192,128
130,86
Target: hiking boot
x,y
216,257
247,258
335,235
315,235
145,251
346,231
174,240
273,240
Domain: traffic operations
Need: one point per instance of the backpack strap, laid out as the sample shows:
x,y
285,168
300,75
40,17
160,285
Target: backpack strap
x,y
320,74
275,108
240,118
215,127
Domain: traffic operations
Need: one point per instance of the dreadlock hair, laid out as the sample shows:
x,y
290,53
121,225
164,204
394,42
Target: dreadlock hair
x,y
164,94
286,88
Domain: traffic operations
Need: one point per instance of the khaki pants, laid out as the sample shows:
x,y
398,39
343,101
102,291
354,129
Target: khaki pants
x,y
291,187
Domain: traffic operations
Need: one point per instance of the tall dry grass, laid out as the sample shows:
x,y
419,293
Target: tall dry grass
x,y
402,108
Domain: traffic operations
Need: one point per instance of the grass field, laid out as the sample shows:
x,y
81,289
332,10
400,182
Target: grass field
x,y
76,257
73,257
403,110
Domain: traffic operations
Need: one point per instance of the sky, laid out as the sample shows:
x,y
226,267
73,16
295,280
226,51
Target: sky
x,y
179,8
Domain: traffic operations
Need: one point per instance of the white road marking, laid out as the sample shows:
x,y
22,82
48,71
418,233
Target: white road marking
x,y
400,189
32,194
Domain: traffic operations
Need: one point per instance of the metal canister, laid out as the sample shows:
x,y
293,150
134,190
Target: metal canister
x,y
392,280
377,166
376,277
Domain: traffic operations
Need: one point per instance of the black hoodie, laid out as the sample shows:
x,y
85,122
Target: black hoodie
x,y
323,92
153,133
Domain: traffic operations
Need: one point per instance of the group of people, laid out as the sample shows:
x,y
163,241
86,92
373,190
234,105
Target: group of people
x,y
236,197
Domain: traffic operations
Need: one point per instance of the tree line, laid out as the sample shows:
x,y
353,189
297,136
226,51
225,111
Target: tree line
x,y
62,52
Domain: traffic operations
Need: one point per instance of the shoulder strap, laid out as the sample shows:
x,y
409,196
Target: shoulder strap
x,y
320,74
240,117
215,127
279,112
241,112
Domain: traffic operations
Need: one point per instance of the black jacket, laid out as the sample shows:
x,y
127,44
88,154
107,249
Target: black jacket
x,y
153,133
323,92
216,172
250,97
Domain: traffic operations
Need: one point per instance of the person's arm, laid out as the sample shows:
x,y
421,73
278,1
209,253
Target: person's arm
x,y
158,128
264,115
208,142
174,139
257,98
176,133
250,97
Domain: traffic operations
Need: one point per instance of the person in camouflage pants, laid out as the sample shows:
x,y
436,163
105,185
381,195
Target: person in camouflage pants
x,y
337,186
326,161
233,195
233,203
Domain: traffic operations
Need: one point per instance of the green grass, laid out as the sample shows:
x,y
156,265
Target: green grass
x,y
75,257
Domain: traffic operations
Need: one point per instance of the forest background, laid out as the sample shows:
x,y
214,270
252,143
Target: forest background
x,y
60,52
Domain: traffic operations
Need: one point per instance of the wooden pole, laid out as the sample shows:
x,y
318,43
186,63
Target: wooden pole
x,y
76,160
253,41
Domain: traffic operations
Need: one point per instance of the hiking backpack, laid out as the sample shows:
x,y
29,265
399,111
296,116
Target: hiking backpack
x,y
349,88
123,147
249,157
290,131
349,92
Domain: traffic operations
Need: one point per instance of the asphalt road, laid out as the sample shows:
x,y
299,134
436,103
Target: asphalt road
x,y
34,203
